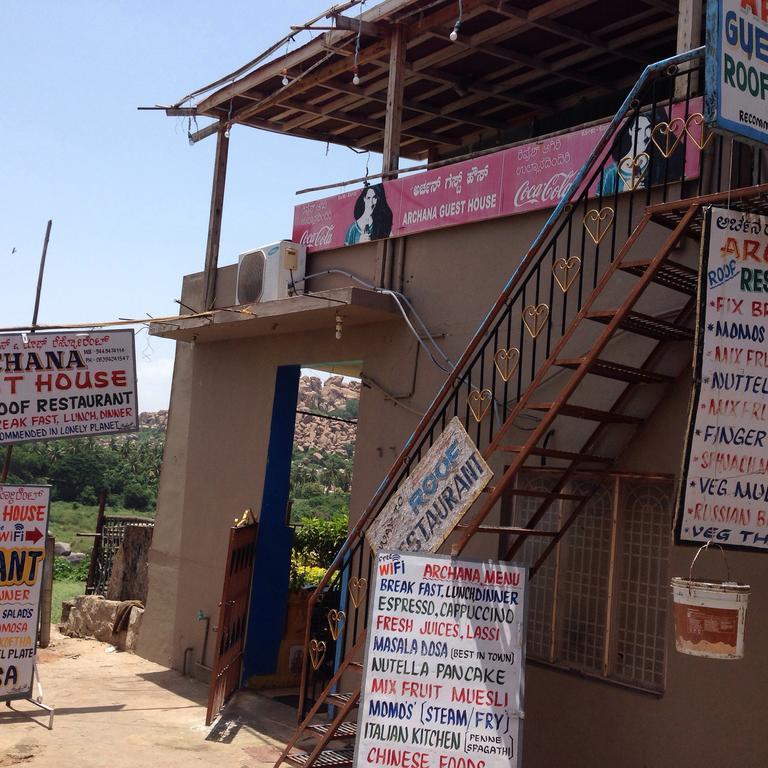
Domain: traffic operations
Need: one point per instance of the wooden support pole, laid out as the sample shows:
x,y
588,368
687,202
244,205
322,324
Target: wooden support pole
x,y
214,222
40,273
394,118
392,130
46,593
688,37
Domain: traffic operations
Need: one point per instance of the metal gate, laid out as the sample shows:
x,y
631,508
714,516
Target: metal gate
x,y
233,617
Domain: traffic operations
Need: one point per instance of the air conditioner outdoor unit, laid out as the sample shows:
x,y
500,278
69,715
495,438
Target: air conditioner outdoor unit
x,y
271,272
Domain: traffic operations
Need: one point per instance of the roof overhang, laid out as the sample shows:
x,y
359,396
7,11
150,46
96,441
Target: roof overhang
x,y
513,65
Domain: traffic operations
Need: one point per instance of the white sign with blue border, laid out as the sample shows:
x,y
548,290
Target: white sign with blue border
x,y
736,93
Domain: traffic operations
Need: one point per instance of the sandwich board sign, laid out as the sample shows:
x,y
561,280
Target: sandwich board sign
x,y
444,664
23,528
736,89
434,497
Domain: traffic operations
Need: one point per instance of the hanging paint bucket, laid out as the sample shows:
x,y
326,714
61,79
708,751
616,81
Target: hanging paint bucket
x,y
710,614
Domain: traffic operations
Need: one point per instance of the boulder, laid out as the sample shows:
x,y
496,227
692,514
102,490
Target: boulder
x,y
91,616
76,557
61,548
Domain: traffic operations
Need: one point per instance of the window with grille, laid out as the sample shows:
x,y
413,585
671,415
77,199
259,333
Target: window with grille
x,y
598,603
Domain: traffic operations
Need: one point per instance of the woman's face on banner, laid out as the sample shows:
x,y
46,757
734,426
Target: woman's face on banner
x,y
370,200
643,131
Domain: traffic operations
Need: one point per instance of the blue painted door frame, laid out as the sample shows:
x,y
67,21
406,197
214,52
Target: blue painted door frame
x,y
269,589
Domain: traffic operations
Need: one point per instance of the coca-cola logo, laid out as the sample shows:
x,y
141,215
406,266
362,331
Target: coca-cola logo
x,y
318,238
550,191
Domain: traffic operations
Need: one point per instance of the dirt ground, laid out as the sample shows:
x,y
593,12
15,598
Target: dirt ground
x,y
117,710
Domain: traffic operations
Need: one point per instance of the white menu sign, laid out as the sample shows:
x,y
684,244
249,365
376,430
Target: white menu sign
x,y
724,486
23,526
67,385
444,661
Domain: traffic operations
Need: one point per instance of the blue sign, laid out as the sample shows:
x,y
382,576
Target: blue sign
x,y
736,91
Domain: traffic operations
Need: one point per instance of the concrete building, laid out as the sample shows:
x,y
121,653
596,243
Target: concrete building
x,y
585,418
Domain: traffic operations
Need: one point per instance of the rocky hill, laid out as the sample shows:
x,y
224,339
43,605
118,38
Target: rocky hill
x,y
332,397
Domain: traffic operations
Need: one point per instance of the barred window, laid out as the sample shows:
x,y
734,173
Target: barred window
x,y
598,603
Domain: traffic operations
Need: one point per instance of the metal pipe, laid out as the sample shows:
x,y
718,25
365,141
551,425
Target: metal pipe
x,y
184,662
207,619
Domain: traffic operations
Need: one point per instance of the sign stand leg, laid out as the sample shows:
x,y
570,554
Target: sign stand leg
x,y
38,702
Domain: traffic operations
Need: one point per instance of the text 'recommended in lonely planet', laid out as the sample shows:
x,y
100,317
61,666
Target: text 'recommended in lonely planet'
x,y
23,525
724,492
67,385
444,664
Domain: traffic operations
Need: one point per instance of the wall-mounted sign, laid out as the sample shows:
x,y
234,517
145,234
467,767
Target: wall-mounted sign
x,y
736,88
516,180
67,385
23,526
434,497
444,662
724,486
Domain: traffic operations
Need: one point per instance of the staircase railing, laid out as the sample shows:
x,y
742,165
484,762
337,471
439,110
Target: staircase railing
x,y
605,199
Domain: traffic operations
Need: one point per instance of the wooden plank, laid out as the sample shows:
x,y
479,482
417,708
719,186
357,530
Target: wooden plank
x,y
394,117
688,37
214,220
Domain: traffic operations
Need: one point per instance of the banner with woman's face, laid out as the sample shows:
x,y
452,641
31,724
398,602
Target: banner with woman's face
x,y
653,147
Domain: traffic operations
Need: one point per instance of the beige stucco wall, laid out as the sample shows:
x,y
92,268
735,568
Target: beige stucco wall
x,y
216,454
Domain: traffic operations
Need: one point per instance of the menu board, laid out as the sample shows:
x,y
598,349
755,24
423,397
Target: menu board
x,y
23,526
724,488
444,661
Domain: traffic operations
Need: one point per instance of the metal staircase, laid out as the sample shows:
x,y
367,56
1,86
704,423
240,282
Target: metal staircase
x,y
574,344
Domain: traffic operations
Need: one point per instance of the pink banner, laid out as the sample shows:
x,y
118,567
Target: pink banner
x,y
511,181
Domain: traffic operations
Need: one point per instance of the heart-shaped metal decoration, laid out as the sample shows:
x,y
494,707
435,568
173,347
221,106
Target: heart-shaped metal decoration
x,y
535,318
479,403
632,170
666,136
356,588
316,653
597,223
565,271
506,361
336,621
704,136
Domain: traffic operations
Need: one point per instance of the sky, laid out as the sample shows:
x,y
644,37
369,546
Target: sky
x,y
129,197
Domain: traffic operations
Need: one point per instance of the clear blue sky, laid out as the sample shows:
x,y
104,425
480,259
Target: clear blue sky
x,y
128,196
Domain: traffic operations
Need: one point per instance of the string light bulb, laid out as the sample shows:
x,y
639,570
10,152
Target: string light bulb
x,y
355,79
226,132
454,36
285,79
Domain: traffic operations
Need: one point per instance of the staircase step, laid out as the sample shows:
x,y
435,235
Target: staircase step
x,y
670,274
328,758
511,530
344,731
618,371
591,414
544,494
552,453
339,699
644,325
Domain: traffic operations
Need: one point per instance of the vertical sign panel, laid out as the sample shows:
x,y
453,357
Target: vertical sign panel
x,y
724,485
443,682
23,526
736,99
